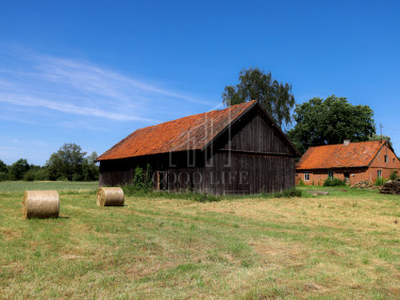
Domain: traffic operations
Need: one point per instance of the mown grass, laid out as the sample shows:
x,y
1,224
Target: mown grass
x,y
343,245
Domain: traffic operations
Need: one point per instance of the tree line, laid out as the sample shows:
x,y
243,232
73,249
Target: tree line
x,y
68,163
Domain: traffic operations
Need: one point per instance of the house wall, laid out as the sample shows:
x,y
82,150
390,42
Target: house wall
x,y
318,177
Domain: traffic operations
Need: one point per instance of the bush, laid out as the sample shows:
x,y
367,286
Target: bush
x,y
379,181
393,175
333,181
289,193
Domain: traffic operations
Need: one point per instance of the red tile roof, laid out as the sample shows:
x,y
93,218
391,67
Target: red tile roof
x,y
192,132
340,156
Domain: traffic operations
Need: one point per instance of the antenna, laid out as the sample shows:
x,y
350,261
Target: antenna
x,y
380,125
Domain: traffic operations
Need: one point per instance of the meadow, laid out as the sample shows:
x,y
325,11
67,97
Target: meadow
x,y
342,245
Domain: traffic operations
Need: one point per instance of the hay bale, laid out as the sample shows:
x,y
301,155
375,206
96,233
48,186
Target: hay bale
x,y
41,204
110,196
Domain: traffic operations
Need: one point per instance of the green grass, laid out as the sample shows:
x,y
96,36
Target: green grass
x,y
343,245
61,186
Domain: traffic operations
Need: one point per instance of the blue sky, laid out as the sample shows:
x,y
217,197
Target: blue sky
x,y
91,72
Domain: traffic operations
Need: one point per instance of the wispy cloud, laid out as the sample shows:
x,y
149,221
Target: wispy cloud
x,y
80,88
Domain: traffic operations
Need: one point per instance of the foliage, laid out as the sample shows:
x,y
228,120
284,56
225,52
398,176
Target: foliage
x,y
275,97
289,193
19,168
70,163
138,179
66,162
3,167
4,176
393,175
379,181
330,121
333,181
377,137
90,170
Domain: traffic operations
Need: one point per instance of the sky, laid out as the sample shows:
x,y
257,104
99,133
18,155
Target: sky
x,y
92,72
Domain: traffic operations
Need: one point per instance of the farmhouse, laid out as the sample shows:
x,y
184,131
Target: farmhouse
x,y
353,162
237,150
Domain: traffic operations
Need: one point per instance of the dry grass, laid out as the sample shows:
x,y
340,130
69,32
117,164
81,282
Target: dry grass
x,y
345,245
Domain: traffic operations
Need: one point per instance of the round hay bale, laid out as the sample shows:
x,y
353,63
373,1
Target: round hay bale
x,y
110,196
41,204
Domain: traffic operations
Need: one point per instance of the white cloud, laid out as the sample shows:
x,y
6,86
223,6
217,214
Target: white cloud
x,y
80,88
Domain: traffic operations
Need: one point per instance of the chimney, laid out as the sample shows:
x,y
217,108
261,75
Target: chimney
x,y
346,142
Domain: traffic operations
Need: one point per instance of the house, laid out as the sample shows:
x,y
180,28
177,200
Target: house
x,y
237,150
353,162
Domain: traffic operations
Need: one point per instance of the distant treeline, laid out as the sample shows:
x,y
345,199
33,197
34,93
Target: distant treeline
x,y
68,163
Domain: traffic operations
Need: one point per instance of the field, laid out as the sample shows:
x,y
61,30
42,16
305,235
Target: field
x,y
344,245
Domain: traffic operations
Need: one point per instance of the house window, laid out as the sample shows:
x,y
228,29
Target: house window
x,y
386,159
379,173
306,176
330,174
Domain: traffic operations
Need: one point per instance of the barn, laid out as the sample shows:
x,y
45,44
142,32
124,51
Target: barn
x,y
352,162
237,150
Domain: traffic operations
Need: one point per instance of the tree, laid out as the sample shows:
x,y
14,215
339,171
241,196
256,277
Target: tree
x,y
377,137
330,121
19,168
254,84
66,163
90,169
3,167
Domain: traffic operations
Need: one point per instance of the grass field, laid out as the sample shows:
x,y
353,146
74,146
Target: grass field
x,y
344,245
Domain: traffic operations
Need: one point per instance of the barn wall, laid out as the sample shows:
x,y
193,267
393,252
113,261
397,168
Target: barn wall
x,y
260,161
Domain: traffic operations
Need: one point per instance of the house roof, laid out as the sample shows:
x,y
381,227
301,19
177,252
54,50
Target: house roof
x,y
194,132
354,155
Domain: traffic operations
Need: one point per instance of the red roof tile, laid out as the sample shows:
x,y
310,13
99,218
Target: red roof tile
x,y
192,132
340,156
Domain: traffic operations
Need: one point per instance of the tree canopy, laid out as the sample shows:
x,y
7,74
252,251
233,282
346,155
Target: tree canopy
x,y
254,84
66,162
330,121
19,168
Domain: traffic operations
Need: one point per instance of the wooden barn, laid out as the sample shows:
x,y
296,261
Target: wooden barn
x,y
352,162
237,150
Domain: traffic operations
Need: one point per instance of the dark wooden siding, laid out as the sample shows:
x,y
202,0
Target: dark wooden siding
x,y
249,158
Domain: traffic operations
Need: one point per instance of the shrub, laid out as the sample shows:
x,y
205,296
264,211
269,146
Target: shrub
x,y
301,182
393,175
138,179
333,181
289,193
379,181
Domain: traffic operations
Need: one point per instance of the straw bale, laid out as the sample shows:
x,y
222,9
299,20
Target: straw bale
x,y
110,196
41,204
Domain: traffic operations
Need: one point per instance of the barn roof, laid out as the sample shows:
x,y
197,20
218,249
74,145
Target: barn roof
x,y
354,155
194,132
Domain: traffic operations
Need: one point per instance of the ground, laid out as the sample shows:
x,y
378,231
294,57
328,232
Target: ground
x,y
344,245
